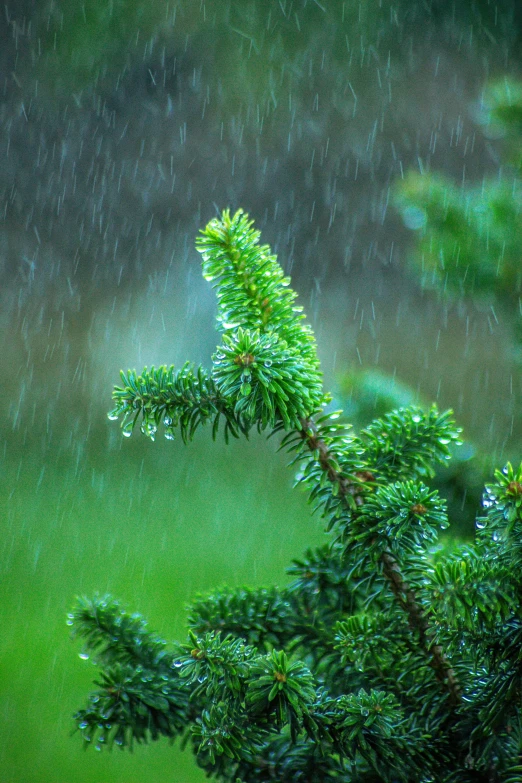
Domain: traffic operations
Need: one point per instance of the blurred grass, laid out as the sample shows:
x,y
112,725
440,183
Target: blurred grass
x,y
153,524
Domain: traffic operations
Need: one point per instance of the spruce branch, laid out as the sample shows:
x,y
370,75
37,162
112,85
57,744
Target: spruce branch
x,y
252,290
322,582
383,661
268,363
346,492
409,443
262,618
298,619
285,761
112,635
216,667
182,398
371,726
266,380
284,689
221,733
419,622
139,696
468,589
133,704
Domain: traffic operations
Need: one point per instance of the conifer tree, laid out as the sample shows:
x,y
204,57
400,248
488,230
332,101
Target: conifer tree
x,y
466,243
390,656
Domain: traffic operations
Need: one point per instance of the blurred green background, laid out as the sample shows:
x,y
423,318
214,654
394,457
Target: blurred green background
x,y
124,127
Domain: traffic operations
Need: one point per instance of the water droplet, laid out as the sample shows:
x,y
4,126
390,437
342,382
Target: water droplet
x,y
268,363
167,421
416,418
177,664
170,435
113,416
149,429
83,725
84,656
414,218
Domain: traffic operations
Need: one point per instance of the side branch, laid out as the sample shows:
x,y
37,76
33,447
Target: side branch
x,y
349,492
179,399
417,621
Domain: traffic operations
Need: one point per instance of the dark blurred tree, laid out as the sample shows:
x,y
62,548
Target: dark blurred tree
x,y
255,46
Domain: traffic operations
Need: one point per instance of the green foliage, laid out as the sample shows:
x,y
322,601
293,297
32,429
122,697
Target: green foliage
x,y
181,399
138,699
251,43
268,362
404,514
409,442
255,46
466,242
367,393
370,727
266,380
257,377
80,40
283,689
252,290
390,657
370,393
502,116
261,617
